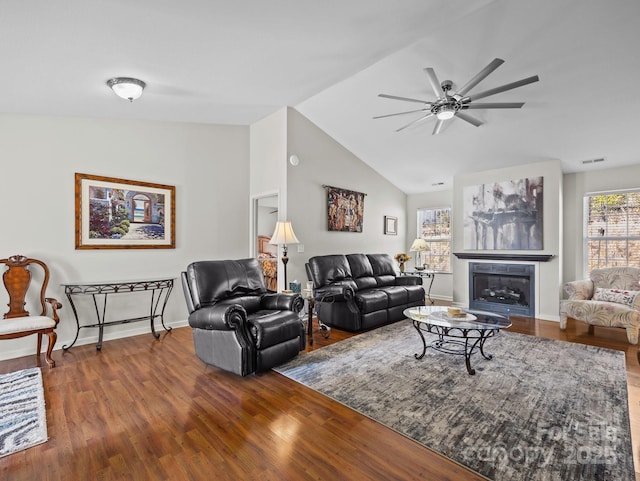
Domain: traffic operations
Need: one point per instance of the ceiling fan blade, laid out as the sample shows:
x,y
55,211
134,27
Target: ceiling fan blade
x,y
502,88
437,127
421,119
495,105
433,80
395,97
399,113
496,62
472,120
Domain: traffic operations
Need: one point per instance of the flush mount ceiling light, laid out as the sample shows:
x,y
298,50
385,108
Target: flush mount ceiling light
x,y
126,87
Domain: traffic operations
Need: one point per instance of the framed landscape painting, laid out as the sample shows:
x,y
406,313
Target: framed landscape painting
x,y
116,213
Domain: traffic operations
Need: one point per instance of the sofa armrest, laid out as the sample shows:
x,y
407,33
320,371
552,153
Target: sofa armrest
x,y
219,318
285,301
408,281
334,293
579,290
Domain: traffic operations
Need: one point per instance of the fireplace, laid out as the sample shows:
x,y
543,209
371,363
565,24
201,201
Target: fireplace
x,y
502,288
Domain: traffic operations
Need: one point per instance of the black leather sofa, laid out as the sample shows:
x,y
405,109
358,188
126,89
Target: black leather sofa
x,y
237,325
355,292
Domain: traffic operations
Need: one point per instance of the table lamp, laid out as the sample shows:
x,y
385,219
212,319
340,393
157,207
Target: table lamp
x,y
282,235
419,246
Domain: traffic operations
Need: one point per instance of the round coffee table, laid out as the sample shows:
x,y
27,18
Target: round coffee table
x,y
456,335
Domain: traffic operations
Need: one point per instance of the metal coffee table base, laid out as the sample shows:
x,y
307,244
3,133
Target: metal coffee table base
x,y
461,342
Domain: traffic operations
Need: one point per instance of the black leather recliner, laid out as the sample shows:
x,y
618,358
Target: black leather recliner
x,y
361,291
237,325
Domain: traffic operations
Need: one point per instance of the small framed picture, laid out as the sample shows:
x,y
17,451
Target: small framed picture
x,y
390,225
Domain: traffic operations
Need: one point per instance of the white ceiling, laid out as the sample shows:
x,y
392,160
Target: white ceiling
x,y
227,62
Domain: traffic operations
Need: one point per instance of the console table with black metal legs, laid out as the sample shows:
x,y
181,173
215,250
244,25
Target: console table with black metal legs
x,y
158,288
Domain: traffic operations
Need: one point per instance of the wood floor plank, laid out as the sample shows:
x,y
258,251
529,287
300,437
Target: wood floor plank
x,y
146,409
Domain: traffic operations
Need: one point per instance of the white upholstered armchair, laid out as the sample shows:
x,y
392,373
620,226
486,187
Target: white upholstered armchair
x,y
610,298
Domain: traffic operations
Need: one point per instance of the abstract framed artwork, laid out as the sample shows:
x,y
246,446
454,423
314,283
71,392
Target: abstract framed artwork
x,y
345,210
116,213
390,225
504,215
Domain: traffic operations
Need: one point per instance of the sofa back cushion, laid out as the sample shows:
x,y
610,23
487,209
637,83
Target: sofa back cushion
x,y
384,269
213,281
626,278
328,269
361,271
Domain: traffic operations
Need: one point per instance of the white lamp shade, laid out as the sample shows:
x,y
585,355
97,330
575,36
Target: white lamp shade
x,y
283,234
126,87
419,245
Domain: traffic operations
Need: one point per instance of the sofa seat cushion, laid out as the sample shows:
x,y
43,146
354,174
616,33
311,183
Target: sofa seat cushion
x,y
371,300
380,298
397,295
269,328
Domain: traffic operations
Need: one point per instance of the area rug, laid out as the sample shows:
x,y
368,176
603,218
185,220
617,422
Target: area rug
x,y
540,410
23,421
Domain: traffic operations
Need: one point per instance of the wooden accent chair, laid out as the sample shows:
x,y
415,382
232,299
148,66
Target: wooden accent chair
x,y
18,322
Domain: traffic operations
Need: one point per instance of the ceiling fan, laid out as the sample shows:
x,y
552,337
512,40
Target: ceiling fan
x,y
448,105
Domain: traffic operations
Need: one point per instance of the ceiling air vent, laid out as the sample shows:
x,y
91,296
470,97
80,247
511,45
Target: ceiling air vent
x,y
593,161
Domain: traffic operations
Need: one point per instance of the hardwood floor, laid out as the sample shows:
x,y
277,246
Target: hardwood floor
x,y
151,410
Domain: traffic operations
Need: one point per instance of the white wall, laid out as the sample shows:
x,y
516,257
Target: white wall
x,y
268,153
208,164
575,187
548,274
325,161
268,170
442,287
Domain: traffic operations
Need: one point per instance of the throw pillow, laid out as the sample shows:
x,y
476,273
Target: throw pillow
x,y
619,296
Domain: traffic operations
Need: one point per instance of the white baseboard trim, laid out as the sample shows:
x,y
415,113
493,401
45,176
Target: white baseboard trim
x,y
442,298
109,334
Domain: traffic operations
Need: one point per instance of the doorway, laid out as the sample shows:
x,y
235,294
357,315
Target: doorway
x,y
265,216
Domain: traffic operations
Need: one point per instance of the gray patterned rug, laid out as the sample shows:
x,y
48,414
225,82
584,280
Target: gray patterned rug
x,y
23,420
540,410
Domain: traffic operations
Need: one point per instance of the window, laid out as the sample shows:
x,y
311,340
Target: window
x,y
612,229
434,226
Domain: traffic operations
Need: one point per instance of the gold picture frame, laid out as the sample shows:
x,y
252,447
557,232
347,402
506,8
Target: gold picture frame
x,y
113,213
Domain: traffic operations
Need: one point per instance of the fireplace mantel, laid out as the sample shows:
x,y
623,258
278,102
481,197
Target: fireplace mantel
x,y
504,256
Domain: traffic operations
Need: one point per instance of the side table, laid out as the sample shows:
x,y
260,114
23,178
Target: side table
x,y
423,275
323,328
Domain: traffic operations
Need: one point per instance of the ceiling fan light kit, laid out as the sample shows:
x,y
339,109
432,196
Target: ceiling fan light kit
x,y
448,105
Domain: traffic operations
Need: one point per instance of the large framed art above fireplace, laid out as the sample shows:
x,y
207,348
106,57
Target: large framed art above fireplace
x,y
504,215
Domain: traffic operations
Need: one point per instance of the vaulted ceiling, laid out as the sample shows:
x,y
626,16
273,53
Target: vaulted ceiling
x,y
216,61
